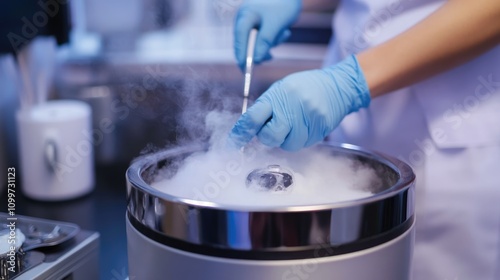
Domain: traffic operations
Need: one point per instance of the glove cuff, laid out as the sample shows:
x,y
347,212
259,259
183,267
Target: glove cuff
x,y
350,73
361,85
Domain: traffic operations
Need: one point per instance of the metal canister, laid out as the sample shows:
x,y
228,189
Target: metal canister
x,y
176,238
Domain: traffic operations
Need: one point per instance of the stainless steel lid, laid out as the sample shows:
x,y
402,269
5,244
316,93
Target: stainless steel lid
x,y
274,232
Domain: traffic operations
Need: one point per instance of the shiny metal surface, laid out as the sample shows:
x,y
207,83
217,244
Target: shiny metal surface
x,y
248,68
273,178
153,261
274,228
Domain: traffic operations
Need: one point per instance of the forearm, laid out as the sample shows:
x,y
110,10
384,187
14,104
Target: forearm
x,y
457,32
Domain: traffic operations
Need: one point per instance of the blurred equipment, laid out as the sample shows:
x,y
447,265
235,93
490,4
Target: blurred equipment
x,y
74,255
24,20
8,104
119,31
36,63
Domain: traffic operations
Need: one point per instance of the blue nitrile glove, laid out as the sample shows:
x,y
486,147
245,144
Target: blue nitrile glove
x,y
272,18
303,108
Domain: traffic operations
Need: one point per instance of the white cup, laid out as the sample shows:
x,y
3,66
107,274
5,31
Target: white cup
x,y
56,150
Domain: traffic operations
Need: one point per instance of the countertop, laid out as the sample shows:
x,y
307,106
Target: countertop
x,y
103,211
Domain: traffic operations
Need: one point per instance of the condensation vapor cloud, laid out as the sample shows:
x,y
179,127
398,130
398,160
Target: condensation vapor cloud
x,y
218,173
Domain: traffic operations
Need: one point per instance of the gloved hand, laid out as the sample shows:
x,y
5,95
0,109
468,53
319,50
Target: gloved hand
x,y
303,108
272,18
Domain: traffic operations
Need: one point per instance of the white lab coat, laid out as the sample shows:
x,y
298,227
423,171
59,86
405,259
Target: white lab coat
x,y
447,128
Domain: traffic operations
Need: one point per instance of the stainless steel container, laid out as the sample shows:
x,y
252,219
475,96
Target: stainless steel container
x,y
175,238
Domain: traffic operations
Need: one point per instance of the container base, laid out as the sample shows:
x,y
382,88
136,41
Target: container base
x,y
151,260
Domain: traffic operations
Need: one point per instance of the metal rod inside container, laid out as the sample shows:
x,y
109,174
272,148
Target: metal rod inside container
x,y
248,68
